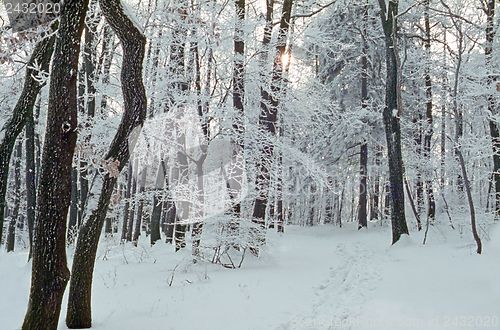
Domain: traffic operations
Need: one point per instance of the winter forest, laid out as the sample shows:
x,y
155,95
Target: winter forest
x,y
249,164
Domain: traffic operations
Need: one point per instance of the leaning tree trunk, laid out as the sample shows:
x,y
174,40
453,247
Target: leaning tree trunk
x,y
79,313
50,273
391,114
23,110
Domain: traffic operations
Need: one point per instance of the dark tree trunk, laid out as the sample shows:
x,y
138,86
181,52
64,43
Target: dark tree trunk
x,y
170,213
238,81
133,43
161,177
126,207
267,120
30,178
198,225
14,217
375,207
180,86
181,176
133,202
23,109
280,217
73,209
463,179
140,206
363,158
492,108
89,106
363,193
106,60
431,209
391,114
50,273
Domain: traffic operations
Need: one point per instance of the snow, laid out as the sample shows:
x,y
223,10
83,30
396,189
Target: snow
x,y
310,278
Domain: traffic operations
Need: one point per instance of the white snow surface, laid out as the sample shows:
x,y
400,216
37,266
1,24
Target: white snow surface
x,y
310,278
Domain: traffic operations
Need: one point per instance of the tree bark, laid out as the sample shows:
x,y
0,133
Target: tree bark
x,y
363,158
267,120
50,273
140,207
14,217
133,43
133,201
161,176
89,109
391,114
126,206
492,108
431,208
23,109
30,178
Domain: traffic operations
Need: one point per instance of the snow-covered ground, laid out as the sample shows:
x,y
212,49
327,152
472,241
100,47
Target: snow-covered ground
x,y
309,278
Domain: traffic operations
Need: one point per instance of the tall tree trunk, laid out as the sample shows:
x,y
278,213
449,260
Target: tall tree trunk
x,y
443,117
236,173
79,313
492,108
431,208
23,109
89,108
50,273
463,179
267,121
391,114
177,69
30,177
363,158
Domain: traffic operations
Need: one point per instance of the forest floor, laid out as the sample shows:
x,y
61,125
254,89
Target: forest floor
x,y
310,278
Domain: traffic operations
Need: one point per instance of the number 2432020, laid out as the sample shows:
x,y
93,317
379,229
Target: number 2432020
x,y
33,8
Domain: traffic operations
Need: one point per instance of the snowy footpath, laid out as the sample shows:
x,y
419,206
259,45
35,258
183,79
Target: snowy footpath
x,y
309,278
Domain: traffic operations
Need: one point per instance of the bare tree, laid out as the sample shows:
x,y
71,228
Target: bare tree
x,y
79,313
22,111
50,273
391,114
